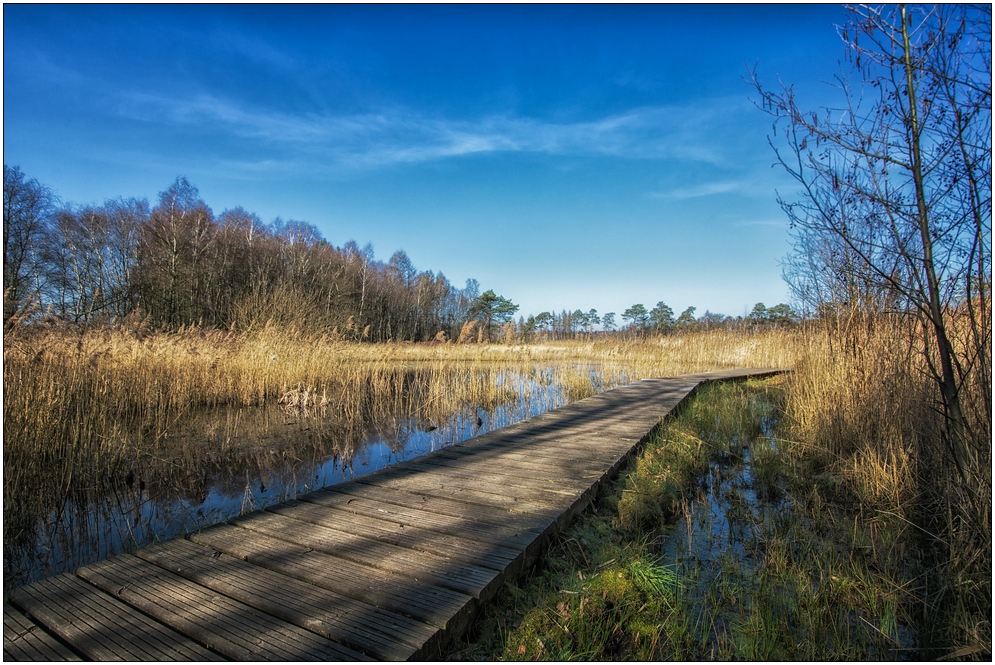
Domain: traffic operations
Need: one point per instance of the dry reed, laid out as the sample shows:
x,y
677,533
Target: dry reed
x,y
865,409
69,387
83,408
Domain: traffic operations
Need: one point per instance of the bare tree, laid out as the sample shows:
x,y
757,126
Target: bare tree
x,y
173,256
126,218
74,262
28,208
90,257
896,189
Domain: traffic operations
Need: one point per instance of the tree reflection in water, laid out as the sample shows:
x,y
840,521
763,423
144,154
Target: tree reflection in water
x,y
222,462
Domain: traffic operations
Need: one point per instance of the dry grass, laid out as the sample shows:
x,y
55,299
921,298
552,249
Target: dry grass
x,y
157,377
83,406
863,546
865,414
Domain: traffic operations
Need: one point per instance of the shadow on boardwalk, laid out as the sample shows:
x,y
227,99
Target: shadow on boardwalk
x,y
388,566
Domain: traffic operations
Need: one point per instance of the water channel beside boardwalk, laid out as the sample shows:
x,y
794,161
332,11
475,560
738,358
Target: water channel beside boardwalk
x,y
391,566
224,462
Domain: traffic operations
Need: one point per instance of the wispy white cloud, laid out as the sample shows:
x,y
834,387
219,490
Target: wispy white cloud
x,y
246,46
747,177
705,189
394,136
768,223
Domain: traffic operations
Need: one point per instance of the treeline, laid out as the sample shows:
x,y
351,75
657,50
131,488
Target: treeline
x,y
179,264
639,321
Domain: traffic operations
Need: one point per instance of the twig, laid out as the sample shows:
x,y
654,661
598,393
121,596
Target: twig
x,y
966,651
892,639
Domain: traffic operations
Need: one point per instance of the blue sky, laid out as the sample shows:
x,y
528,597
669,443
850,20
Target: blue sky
x,y
566,156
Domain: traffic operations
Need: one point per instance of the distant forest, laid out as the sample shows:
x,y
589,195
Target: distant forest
x,y
178,264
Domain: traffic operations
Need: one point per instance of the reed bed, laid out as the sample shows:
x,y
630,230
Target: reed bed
x,y
87,409
84,408
855,536
865,422
156,378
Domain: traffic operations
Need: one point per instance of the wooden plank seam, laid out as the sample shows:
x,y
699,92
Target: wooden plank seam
x,y
392,565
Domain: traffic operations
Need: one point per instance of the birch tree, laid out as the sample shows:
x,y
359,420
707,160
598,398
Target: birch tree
x,y
28,208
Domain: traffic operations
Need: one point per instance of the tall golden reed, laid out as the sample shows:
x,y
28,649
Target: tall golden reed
x,y
88,396
861,399
88,412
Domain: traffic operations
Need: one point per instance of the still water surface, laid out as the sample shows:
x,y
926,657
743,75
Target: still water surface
x,y
224,462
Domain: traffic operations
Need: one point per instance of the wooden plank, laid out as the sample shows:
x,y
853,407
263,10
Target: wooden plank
x,y
223,624
475,512
402,534
488,477
528,499
426,519
552,446
589,458
374,631
430,486
537,437
589,463
432,568
389,565
431,604
501,491
519,473
100,627
23,639
567,470
531,525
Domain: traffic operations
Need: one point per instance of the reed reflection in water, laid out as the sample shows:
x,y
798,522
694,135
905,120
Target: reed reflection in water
x,y
222,462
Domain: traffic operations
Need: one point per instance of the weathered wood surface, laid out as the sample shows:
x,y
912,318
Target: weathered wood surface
x,y
25,640
389,566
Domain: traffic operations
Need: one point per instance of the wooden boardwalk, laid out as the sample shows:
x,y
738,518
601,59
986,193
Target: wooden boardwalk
x,y
389,566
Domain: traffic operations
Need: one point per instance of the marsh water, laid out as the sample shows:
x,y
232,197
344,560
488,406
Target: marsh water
x,y
219,463
718,547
